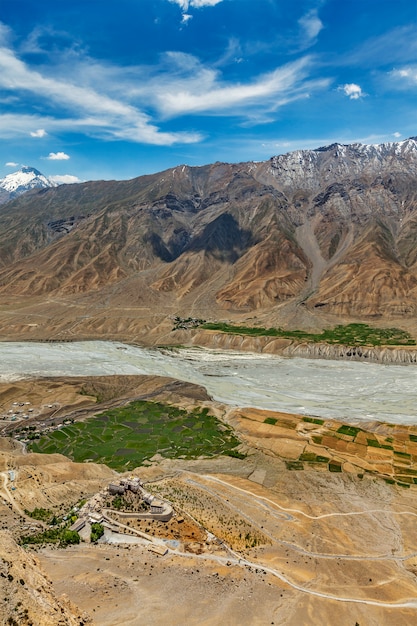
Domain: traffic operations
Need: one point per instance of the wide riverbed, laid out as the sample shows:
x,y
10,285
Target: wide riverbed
x,y
349,391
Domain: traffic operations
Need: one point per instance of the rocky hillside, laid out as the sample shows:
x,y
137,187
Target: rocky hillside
x,y
308,238
27,596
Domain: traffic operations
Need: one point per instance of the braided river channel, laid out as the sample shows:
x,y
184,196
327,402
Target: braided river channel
x,y
344,390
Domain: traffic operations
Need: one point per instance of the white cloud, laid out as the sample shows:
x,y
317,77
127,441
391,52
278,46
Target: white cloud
x,y
11,164
311,25
12,125
396,46
195,88
89,105
82,95
185,5
5,34
15,124
204,3
197,4
57,156
41,132
65,179
397,135
353,91
406,75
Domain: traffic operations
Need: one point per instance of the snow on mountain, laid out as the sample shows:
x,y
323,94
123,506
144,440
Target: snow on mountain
x,y
311,169
25,179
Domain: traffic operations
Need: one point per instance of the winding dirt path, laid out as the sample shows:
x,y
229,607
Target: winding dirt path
x,y
8,496
303,513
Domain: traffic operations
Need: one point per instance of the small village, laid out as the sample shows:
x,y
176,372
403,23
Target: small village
x,y
23,420
18,411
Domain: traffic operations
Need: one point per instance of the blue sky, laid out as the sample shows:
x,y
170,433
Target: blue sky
x,y
93,89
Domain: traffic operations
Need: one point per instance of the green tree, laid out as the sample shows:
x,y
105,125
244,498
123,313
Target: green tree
x,y
69,537
97,531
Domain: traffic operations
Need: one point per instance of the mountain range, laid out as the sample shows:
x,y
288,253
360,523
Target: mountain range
x,y
305,239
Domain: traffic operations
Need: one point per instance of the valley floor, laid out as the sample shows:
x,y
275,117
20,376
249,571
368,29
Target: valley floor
x,y
331,546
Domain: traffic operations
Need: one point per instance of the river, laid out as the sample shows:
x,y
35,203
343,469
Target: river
x,y
348,391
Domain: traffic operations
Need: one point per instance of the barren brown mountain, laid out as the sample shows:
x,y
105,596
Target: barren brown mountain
x,y
307,239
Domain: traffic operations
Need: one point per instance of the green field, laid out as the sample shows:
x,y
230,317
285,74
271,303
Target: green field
x,y
346,429
350,335
123,438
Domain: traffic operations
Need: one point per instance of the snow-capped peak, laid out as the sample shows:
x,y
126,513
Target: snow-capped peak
x,y
311,169
23,180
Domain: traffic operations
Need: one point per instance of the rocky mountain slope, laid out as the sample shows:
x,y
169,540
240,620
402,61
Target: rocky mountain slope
x,y
309,238
27,594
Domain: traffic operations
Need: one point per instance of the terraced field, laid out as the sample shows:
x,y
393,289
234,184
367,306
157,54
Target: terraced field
x,y
124,438
388,451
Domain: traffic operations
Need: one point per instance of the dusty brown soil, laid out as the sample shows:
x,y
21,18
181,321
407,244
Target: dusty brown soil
x,y
330,547
27,595
130,586
323,568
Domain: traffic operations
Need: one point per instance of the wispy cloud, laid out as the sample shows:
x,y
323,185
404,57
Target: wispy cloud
x,y
352,91
46,40
196,4
57,156
311,25
396,46
5,34
115,117
186,17
11,164
192,88
19,124
131,103
185,5
41,132
406,76
204,3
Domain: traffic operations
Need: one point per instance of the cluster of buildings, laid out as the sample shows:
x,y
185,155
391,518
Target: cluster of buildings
x,y
96,509
32,429
135,485
158,509
16,412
